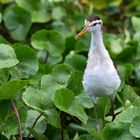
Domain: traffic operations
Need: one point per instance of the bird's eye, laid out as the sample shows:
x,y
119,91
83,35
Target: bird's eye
x,y
94,24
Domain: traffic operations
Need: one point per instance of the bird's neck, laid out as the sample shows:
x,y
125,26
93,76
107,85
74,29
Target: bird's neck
x,y
97,44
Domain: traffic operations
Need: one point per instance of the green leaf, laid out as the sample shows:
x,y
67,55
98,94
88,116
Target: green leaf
x,y
129,52
83,44
51,40
3,40
77,61
125,71
128,114
53,117
135,22
57,134
43,69
5,110
117,131
75,82
77,20
10,130
56,80
76,137
11,88
70,44
58,13
4,75
36,135
8,116
90,125
41,124
7,56
75,128
62,73
18,21
137,102
135,127
102,106
28,62
49,84
5,1
84,99
86,137
100,4
37,99
39,9
9,123
129,94
63,28
56,0
136,36
116,46
64,100
44,56
54,60
66,97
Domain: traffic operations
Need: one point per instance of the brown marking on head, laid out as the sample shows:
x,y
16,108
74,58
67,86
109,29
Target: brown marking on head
x,y
92,18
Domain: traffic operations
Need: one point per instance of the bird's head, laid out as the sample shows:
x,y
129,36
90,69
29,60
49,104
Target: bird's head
x,y
93,24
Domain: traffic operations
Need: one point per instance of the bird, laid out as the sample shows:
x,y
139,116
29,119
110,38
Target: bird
x,y
100,76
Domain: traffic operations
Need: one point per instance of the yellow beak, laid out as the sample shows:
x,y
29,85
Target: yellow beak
x,y
83,31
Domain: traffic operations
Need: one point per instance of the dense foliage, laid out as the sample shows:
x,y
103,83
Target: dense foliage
x,y
41,69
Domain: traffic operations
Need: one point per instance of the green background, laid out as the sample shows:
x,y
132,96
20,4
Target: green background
x,y
42,65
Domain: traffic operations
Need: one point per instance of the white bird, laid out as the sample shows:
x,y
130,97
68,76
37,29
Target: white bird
x,y
100,76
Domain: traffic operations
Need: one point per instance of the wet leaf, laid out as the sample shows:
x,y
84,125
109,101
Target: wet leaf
x,y
38,10
134,128
64,100
7,56
51,40
18,21
10,89
41,100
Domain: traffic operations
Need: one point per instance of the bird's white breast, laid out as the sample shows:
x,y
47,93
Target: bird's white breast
x,y
100,76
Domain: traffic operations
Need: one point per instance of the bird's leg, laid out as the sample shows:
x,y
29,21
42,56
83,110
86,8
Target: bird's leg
x,y
97,125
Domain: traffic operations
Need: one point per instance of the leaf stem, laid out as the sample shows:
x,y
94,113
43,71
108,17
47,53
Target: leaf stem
x,y
18,119
46,58
35,124
9,77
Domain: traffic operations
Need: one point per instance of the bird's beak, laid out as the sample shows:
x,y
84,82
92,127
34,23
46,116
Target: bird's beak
x,y
83,31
